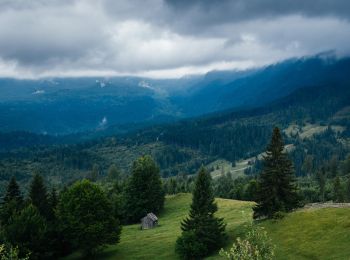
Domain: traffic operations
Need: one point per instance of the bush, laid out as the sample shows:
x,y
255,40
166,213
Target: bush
x,y
255,246
10,253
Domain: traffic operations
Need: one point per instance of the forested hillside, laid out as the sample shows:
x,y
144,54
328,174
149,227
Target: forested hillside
x,y
314,120
96,105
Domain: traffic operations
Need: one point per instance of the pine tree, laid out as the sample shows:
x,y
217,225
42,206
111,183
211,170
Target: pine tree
x,y
202,232
27,230
144,192
113,173
52,203
12,203
348,190
321,179
13,192
277,191
94,174
338,194
38,195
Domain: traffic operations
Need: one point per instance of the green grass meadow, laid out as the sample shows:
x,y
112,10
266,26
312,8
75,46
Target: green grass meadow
x,y
307,234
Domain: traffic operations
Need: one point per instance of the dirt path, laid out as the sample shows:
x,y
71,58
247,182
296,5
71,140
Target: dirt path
x,y
326,205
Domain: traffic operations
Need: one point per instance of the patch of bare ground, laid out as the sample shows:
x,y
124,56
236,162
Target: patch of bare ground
x,y
324,205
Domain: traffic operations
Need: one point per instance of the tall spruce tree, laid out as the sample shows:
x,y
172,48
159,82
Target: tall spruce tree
x,y
338,193
38,195
12,202
144,192
52,204
321,179
202,232
277,191
347,191
13,192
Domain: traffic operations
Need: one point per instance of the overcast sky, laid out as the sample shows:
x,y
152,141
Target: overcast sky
x,y
160,38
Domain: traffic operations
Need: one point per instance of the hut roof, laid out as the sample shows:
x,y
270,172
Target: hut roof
x,y
152,217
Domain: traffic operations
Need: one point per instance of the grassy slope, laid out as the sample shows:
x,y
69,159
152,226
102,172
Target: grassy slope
x,y
312,234
307,234
159,243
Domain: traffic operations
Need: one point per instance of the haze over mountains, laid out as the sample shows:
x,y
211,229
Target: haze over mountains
x,y
60,106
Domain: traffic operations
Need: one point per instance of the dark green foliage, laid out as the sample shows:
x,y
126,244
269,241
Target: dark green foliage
x,y
346,166
321,180
38,195
277,191
347,190
224,186
189,247
179,184
94,173
338,192
27,230
113,173
86,218
52,204
12,203
202,232
13,192
144,192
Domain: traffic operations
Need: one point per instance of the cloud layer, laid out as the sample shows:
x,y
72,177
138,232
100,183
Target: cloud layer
x,y
163,38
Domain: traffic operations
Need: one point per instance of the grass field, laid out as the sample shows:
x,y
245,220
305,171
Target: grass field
x,y
306,234
312,234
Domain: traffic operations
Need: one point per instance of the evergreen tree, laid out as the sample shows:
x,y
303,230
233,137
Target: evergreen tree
x,y
52,203
277,191
348,190
94,173
38,195
13,192
12,203
27,230
144,192
202,232
338,194
321,179
113,173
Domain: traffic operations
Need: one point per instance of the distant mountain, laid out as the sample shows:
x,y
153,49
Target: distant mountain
x,y
258,87
60,106
315,122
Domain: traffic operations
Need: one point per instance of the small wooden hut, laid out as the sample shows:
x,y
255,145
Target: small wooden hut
x,y
149,221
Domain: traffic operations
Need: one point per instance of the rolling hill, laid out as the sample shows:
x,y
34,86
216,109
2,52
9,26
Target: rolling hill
x,y
304,234
319,113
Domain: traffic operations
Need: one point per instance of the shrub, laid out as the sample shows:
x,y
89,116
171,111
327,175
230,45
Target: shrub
x,y
255,246
8,252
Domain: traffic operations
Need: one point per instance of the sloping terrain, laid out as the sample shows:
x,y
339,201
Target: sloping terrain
x,y
304,234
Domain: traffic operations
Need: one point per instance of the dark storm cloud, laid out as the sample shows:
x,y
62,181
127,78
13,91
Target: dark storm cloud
x,y
160,38
194,16
233,10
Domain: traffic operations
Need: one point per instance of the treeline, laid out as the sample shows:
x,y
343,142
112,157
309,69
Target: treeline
x,y
83,216
320,164
87,215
